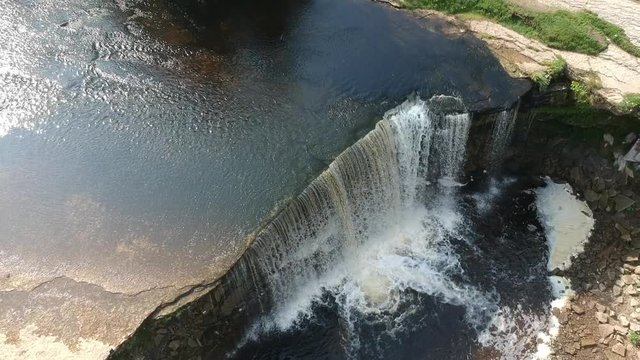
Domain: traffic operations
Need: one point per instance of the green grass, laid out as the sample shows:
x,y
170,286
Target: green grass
x,y
555,70
630,103
580,92
634,338
582,32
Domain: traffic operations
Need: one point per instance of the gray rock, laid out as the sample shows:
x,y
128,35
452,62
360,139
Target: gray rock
x,y
602,287
619,349
563,318
577,309
621,330
623,202
591,196
193,344
587,342
606,330
631,258
602,317
634,153
608,139
598,185
623,321
603,203
631,290
617,290
174,345
570,349
631,137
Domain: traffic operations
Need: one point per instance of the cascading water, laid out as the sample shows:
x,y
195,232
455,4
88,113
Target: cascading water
x,y
362,233
501,136
386,241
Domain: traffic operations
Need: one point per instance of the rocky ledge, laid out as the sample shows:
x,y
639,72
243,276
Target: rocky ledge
x,y
610,75
602,318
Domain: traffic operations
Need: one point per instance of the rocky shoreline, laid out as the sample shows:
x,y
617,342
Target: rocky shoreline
x,y
604,312
609,77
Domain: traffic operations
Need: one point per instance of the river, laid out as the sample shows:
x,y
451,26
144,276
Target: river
x,y
141,142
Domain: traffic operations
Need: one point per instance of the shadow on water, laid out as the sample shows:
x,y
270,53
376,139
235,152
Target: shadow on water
x,y
225,25
141,144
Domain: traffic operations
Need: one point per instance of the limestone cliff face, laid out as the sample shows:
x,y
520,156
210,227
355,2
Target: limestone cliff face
x,y
614,72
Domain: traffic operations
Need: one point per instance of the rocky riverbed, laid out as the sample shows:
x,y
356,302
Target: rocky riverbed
x,y
604,311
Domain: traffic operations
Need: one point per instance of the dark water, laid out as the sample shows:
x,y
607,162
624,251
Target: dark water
x,y
502,251
163,133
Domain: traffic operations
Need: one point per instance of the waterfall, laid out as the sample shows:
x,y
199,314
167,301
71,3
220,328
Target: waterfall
x,y
370,246
501,136
364,232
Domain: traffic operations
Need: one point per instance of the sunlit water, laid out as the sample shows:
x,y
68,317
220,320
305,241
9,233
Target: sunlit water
x,y
140,143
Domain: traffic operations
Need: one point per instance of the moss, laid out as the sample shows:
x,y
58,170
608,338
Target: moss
x,y
582,32
584,123
581,115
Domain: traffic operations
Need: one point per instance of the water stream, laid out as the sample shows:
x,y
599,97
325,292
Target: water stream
x,y
387,252
145,145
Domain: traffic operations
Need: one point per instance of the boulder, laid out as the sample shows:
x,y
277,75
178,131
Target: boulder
x,y
577,309
605,330
608,139
602,317
621,330
623,321
617,290
598,185
174,345
623,202
629,279
634,153
587,342
619,349
591,196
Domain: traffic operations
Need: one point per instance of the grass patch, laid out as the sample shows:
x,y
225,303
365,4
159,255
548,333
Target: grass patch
x,y
555,70
634,338
630,103
582,32
581,93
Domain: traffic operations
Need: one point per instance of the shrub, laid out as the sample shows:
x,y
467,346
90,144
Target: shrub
x,y
580,92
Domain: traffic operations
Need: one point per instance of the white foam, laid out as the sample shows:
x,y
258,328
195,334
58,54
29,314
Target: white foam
x,y
568,222
485,200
